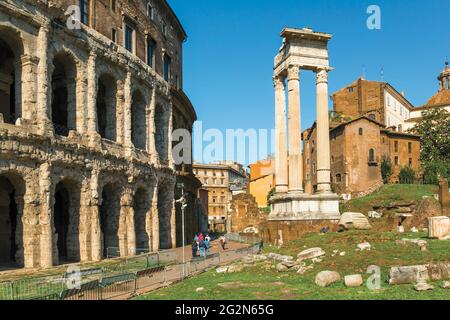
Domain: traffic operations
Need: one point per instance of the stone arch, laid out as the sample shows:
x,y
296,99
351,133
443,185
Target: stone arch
x,y
64,92
110,217
142,206
12,191
107,106
139,120
11,51
66,220
165,207
161,132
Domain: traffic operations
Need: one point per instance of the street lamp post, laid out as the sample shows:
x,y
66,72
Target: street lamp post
x,y
183,203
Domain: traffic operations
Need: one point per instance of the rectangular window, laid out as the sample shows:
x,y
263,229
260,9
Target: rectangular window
x,y
396,161
409,147
395,146
151,46
167,62
164,29
84,11
129,34
150,11
113,5
114,35
410,162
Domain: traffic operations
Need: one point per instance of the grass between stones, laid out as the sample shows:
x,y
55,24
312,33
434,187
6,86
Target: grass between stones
x,y
261,282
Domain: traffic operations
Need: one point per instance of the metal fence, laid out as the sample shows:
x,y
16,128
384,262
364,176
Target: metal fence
x,y
119,278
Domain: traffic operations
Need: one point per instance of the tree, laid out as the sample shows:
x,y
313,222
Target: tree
x,y
386,169
270,194
434,130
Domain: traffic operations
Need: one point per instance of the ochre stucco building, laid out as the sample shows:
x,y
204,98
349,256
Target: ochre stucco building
x,y
87,113
357,150
262,180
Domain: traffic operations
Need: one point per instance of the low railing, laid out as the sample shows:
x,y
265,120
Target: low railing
x,y
118,279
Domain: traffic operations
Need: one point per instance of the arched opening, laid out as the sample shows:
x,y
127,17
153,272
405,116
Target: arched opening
x,y
165,204
161,136
106,107
64,94
11,229
109,220
66,212
138,121
10,76
142,219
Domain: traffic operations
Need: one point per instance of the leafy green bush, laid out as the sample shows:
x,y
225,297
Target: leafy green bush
x,y
386,169
407,175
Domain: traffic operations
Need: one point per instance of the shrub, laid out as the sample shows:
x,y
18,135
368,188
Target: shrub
x,y
407,175
386,169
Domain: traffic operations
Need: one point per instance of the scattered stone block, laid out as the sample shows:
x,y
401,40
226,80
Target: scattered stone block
x,y
446,285
355,220
282,268
222,269
439,228
414,230
304,269
423,244
375,215
355,280
364,246
418,274
200,289
343,253
235,268
310,254
423,286
327,278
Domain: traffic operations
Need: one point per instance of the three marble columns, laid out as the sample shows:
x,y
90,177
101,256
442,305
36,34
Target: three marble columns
x,y
289,161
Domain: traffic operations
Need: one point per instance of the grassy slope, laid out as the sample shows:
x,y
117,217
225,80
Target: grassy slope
x,y
259,283
262,283
390,193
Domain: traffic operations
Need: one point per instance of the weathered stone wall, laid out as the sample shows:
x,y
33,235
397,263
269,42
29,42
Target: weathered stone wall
x,y
245,213
76,190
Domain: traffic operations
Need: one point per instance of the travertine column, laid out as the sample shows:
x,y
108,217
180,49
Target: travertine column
x,y
92,93
323,135
295,154
43,92
26,67
152,129
45,217
127,111
281,165
169,136
155,220
173,224
96,232
125,236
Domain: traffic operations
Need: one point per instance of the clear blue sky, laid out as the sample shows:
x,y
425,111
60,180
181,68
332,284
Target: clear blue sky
x,y
228,57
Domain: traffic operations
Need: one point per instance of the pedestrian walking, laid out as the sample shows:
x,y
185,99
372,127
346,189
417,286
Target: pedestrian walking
x,y
194,248
207,245
223,242
202,248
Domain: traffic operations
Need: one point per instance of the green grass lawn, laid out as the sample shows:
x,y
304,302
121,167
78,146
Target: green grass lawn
x,y
390,193
262,282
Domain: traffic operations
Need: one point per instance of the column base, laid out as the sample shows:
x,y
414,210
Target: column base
x,y
304,207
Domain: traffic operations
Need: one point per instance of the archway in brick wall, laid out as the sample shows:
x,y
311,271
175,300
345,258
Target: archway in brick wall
x,y
106,107
66,213
109,220
165,204
161,135
64,94
10,75
142,219
11,228
138,121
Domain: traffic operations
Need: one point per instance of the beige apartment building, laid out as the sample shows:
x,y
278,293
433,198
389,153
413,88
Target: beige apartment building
x,y
222,180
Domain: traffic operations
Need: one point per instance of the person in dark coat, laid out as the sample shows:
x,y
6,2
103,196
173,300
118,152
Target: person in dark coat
x,y
194,248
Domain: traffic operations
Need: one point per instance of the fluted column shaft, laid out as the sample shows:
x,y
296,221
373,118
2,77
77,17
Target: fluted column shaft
x,y
323,135
295,156
280,134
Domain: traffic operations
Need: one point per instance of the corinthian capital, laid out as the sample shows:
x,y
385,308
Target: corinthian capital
x,y
294,73
278,82
322,76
